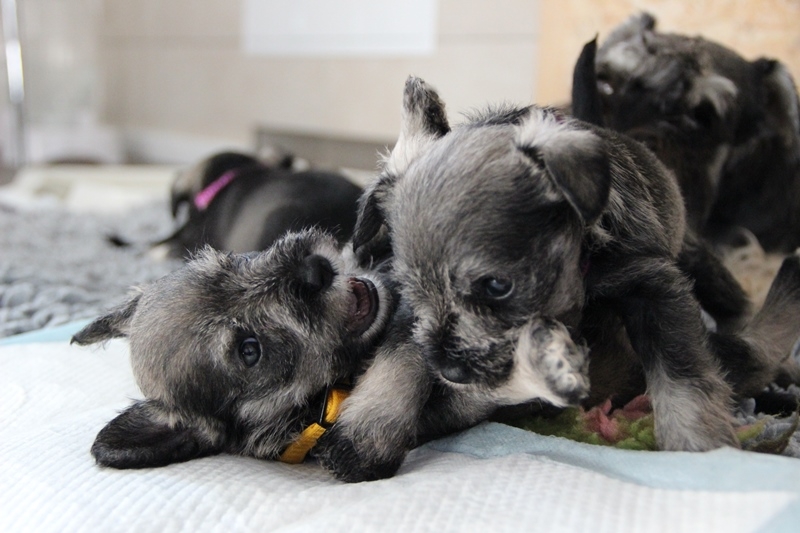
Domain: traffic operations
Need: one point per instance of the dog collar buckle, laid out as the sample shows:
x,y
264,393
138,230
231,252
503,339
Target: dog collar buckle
x,y
297,451
332,404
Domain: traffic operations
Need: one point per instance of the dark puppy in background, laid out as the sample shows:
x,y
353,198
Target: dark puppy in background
x,y
236,202
729,128
240,353
525,212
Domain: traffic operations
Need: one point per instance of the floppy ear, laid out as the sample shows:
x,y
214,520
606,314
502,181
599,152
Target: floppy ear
x,y
142,436
115,324
586,103
371,221
783,103
633,28
423,120
576,161
710,97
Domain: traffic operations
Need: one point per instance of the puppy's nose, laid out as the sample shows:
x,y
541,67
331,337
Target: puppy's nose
x,y
316,273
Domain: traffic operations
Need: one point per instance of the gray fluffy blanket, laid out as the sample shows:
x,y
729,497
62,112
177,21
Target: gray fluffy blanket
x,y
57,266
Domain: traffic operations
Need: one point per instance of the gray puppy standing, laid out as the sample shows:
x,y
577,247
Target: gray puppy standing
x,y
522,213
239,353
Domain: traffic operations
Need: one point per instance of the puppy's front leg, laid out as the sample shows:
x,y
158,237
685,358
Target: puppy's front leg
x,y
691,400
548,365
379,421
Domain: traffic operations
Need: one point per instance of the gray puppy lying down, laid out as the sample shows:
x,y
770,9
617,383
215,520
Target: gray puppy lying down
x,y
238,353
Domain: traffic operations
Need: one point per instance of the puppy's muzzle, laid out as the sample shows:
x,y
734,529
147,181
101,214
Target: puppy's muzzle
x,y
364,303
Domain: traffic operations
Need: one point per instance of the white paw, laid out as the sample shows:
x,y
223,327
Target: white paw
x,y
563,363
548,365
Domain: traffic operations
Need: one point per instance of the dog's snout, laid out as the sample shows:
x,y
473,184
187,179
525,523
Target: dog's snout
x,y
317,273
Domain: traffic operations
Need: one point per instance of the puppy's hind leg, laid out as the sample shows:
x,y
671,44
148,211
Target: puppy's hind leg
x,y
691,400
714,286
761,353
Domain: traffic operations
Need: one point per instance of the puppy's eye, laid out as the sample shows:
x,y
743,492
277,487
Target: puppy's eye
x,y
250,351
495,288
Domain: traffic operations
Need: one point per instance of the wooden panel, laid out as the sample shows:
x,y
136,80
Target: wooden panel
x,y
764,28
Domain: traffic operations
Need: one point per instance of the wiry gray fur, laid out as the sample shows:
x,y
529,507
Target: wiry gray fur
x,y
304,304
187,334
728,127
528,214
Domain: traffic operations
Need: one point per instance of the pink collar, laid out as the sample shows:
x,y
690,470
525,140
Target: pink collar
x,y
204,198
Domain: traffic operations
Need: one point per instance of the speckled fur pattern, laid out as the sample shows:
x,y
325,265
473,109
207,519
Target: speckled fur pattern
x,y
522,213
728,127
232,350
233,353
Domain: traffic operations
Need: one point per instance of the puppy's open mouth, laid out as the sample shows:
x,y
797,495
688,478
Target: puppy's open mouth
x,y
364,302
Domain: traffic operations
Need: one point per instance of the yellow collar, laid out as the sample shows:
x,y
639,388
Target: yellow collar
x,y
296,452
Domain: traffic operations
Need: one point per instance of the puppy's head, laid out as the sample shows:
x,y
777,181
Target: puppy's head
x,y
486,223
229,350
644,76
190,181
194,179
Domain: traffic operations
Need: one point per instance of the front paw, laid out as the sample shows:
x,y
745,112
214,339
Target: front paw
x,y
346,461
564,364
548,365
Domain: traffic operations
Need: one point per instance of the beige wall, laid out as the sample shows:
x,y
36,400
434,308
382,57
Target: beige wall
x,y
171,65
754,28
173,70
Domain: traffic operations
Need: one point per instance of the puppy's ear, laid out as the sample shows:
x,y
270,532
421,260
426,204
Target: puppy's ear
x,y
586,103
423,120
783,104
371,221
146,435
710,97
633,29
576,161
113,325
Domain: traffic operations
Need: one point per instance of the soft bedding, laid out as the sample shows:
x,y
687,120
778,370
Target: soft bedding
x,y
57,265
55,397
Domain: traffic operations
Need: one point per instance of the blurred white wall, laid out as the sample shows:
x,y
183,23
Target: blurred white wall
x,y
63,83
178,67
168,81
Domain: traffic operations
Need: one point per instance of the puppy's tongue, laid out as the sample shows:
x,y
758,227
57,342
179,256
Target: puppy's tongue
x,y
363,307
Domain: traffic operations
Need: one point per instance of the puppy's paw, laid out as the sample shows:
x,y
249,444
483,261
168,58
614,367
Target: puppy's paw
x,y
349,462
564,364
548,365
692,415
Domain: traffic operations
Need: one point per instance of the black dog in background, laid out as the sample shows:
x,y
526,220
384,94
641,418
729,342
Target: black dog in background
x,y
235,202
729,128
